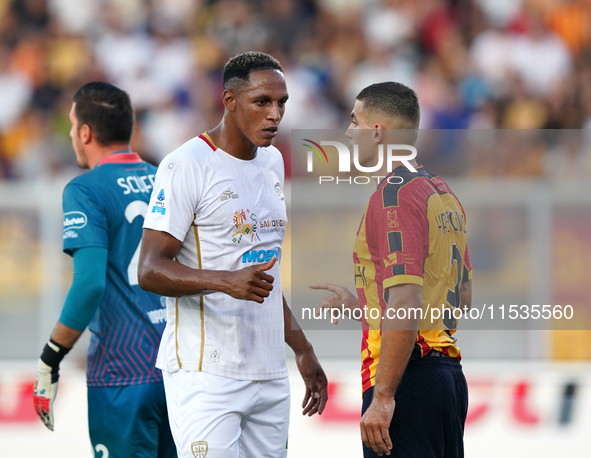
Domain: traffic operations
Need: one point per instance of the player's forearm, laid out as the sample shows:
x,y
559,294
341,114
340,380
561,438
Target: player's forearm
x,y
395,351
398,339
294,335
64,335
166,277
160,274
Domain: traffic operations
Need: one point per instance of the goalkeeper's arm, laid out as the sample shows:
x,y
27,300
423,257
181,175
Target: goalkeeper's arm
x,y
84,297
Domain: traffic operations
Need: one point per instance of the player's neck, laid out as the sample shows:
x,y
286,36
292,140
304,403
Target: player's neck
x,y
383,172
98,153
228,138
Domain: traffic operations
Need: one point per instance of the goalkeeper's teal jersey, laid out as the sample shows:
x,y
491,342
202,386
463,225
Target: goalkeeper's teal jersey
x,y
105,208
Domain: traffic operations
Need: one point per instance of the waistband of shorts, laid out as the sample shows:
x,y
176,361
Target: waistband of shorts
x,y
438,354
437,357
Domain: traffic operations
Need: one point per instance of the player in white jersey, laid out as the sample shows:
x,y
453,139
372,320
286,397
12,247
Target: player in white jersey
x,y
212,242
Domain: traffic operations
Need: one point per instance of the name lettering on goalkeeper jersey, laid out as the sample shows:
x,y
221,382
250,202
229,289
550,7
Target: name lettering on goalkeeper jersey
x,y
157,316
136,184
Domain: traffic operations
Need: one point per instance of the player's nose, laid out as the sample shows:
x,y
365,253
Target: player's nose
x,y
275,112
349,133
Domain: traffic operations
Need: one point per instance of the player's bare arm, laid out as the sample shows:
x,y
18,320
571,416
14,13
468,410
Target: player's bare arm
x,y
160,274
398,339
308,365
341,298
466,295
64,335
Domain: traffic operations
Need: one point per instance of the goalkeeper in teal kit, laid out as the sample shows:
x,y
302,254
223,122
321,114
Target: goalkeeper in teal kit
x,y
103,216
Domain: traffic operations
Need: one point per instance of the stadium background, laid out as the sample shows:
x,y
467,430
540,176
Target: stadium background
x,y
475,64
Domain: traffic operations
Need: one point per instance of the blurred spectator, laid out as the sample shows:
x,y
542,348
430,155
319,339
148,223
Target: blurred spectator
x,y
389,24
501,13
238,26
15,92
73,16
539,57
490,53
571,19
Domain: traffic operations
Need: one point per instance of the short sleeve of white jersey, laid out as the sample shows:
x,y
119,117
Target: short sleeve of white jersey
x,y
277,155
176,193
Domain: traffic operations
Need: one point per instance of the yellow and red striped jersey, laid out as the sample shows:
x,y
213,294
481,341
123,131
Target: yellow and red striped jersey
x,y
413,231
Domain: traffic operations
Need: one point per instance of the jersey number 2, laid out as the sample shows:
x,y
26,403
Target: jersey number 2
x,y
132,211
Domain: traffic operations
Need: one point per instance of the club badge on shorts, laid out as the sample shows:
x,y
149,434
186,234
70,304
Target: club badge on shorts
x,y
199,449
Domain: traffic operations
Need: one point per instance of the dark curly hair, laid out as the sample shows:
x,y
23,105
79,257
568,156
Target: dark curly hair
x,y
239,68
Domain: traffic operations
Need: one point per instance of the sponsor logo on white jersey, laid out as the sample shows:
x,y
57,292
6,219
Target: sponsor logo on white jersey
x,y
227,195
260,255
245,225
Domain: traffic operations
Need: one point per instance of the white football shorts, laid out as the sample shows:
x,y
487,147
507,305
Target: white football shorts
x,y
219,417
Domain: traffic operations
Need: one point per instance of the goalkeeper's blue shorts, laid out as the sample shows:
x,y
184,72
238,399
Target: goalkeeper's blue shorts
x,y
129,421
430,411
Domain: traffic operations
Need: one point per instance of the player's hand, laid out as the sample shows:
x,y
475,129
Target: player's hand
x,y
251,283
375,424
341,299
45,392
315,381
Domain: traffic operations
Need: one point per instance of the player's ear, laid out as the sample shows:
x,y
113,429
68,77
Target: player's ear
x,y
378,134
85,134
229,99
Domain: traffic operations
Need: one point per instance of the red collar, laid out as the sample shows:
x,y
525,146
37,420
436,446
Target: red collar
x,y
120,158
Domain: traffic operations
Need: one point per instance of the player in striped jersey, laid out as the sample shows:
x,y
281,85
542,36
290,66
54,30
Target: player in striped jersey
x,y
410,253
103,213
212,244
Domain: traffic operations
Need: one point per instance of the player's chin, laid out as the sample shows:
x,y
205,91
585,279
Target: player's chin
x,y
263,141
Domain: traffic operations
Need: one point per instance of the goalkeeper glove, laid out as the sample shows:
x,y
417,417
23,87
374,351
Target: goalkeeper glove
x,y
46,384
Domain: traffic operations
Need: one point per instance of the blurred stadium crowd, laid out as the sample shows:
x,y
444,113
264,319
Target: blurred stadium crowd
x,y
485,64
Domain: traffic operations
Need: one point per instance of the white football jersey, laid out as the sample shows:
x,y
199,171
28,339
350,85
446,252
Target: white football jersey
x,y
229,214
